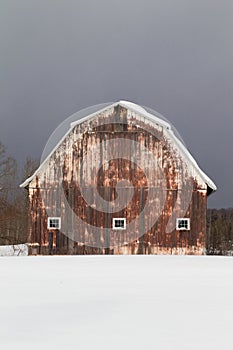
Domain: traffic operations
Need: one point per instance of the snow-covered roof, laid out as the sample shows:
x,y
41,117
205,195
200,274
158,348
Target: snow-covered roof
x,y
146,112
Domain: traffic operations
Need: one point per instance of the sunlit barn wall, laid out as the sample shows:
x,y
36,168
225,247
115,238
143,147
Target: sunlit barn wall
x,y
64,167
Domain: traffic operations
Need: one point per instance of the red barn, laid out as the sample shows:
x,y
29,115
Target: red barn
x,y
120,181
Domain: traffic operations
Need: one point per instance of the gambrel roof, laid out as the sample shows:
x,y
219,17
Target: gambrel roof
x,y
154,117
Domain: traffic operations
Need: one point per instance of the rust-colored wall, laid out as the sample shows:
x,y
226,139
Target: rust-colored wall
x,y
66,163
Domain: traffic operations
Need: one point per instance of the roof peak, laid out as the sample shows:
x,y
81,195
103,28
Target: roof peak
x,y
130,104
92,111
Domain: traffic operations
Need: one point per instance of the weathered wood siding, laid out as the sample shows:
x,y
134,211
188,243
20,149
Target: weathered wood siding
x,y
65,166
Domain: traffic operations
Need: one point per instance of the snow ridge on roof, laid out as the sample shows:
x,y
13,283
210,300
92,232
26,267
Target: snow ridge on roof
x,y
155,117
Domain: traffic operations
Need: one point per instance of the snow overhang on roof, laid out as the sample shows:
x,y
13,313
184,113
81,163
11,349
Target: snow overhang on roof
x,y
156,117
151,115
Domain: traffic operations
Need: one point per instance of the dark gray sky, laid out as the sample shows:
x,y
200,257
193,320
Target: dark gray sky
x,y
175,56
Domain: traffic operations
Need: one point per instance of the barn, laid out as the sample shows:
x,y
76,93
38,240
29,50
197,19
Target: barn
x,y
119,181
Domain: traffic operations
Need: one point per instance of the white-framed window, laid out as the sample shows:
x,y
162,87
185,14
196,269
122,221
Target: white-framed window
x,y
54,223
119,223
182,224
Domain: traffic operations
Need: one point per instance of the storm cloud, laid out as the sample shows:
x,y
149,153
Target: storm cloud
x,y
176,57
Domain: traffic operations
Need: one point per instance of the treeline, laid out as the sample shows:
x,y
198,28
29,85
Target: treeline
x,y
219,239
14,202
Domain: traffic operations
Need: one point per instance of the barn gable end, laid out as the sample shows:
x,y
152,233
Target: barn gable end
x,y
158,166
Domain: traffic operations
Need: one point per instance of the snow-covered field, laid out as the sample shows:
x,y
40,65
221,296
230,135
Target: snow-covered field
x,y
116,302
14,250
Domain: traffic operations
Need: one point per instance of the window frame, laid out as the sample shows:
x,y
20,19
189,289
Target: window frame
x,y
118,228
54,218
183,228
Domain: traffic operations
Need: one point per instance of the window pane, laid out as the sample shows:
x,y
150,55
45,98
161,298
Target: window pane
x,y
119,223
54,223
183,224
